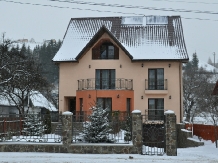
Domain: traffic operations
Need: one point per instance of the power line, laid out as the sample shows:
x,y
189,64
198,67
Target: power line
x,y
137,7
206,3
60,7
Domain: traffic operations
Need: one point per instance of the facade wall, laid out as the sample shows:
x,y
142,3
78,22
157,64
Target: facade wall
x,y
90,96
71,72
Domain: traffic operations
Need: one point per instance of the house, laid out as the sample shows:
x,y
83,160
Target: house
x,y
122,63
37,104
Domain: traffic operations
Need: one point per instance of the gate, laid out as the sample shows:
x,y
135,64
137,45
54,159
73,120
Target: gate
x,y
153,135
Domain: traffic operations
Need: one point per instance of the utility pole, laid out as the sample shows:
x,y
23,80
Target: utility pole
x,y
214,61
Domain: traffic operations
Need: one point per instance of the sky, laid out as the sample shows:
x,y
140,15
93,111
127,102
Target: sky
x,y
48,19
202,154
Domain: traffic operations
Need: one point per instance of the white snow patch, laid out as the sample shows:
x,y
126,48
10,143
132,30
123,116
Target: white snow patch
x,y
207,66
185,130
136,111
193,139
67,113
169,112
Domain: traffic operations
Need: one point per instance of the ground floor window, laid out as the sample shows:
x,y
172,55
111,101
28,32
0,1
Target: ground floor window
x,y
156,109
128,106
105,103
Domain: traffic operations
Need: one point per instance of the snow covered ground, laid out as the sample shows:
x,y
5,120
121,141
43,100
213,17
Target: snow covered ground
x,y
204,154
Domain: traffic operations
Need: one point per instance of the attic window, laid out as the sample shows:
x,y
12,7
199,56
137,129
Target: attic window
x,y
105,50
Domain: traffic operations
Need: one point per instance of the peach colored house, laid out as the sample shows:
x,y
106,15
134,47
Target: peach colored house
x,y
123,63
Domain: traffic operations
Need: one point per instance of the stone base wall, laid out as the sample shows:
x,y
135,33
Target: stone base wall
x,y
73,148
184,138
103,149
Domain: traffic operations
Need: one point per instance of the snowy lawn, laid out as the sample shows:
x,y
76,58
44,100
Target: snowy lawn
x,y
204,154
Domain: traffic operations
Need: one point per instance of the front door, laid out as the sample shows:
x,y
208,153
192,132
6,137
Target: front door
x,y
72,105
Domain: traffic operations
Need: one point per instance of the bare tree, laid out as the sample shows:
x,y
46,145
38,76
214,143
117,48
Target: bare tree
x,y
20,75
194,80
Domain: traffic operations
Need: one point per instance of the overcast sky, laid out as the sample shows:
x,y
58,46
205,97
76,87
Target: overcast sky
x,y
43,22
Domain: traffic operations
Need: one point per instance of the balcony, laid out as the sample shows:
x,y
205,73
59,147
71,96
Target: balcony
x,y
156,86
105,84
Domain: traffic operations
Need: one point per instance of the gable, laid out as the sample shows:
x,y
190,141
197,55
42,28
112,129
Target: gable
x,y
97,41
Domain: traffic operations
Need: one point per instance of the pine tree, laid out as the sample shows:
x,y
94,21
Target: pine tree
x,y
33,125
97,130
195,60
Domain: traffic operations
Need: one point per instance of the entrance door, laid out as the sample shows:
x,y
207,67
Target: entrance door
x,y
72,105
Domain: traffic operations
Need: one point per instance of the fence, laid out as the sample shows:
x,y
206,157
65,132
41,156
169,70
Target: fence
x,y
206,132
119,129
28,127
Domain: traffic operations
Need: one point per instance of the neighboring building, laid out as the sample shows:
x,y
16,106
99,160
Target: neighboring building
x,y
123,63
37,104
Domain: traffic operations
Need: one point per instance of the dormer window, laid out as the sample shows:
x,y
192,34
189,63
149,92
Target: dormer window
x,y
105,50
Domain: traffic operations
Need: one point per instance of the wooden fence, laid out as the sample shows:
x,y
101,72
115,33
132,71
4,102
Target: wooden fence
x,y
206,132
10,125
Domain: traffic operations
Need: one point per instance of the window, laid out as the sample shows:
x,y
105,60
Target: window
x,y
105,50
128,106
156,109
156,79
105,103
105,79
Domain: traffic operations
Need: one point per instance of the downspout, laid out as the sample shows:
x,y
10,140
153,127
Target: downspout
x,y
180,91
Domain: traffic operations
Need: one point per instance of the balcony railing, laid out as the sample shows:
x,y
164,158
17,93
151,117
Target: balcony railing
x,y
151,84
112,84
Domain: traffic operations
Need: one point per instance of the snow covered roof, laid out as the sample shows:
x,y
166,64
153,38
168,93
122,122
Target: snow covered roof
x,y
144,37
39,100
5,102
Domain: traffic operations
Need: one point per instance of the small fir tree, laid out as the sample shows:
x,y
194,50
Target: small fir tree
x,y
47,122
33,125
97,130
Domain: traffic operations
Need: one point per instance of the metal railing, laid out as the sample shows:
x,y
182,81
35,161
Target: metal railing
x,y
154,114
107,83
28,128
151,84
153,135
120,129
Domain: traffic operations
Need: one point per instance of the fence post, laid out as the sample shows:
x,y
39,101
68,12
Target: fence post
x,y
67,128
170,133
137,130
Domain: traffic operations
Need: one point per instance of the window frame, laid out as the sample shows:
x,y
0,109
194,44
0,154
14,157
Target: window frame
x,y
155,84
110,80
156,114
104,99
96,50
